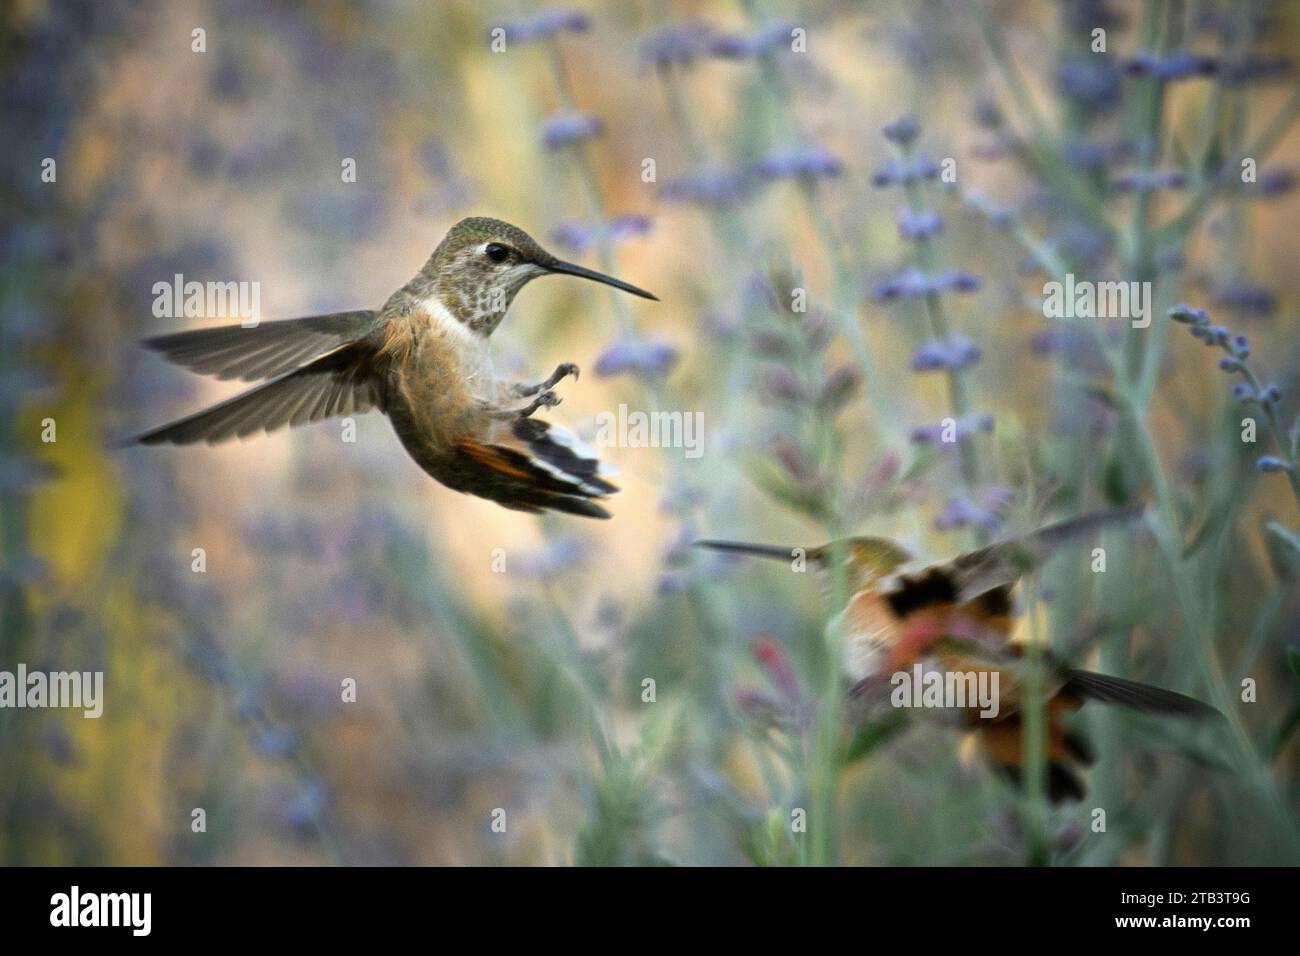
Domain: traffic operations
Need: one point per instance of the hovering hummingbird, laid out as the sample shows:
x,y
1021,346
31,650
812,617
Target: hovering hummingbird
x,y
958,615
423,361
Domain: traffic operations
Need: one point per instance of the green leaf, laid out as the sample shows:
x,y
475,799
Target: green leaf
x,y
1114,482
1218,514
1293,658
872,735
1283,550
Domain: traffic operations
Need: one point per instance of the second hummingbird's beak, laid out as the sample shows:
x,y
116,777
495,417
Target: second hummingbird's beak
x,y
569,269
745,547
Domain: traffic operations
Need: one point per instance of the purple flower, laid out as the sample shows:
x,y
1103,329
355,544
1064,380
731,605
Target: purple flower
x,y
24,474
678,44
1178,65
708,187
780,384
914,282
545,25
570,128
738,46
637,357
580,236
839,388
961,512
554,558
1255,68
1242,296
1146,182
1092,83
955,353
1189,316
919,225
903,131
806,163
988,114
1275,182
898,173
1091,154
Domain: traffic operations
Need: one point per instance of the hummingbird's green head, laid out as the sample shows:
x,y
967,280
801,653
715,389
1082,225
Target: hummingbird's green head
x,y
481,265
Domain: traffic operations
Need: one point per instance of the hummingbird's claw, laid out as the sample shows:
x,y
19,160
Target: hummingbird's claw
x,y
561,372
548,399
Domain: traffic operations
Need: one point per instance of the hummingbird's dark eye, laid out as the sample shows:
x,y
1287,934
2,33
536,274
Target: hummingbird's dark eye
x,y
496,252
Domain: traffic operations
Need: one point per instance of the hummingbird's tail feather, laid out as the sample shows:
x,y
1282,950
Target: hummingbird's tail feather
x,y
338,383
542,467
1135,696
264,350
1067,751
744,547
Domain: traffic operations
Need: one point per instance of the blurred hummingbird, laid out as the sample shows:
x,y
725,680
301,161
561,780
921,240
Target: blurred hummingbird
x,y
958,615
423,361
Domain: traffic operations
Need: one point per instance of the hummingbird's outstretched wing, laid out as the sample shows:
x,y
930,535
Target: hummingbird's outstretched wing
x,y
341,382
264,350
977,571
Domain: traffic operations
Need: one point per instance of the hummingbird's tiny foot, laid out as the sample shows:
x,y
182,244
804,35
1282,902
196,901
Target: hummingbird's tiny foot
x,y
547,399
561,372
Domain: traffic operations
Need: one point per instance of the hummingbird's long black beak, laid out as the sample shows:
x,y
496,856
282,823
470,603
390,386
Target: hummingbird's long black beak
x,y
569,269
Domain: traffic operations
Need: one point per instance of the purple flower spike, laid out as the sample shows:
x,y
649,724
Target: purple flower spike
x,y
1179,65
806,163
580,236
919,225
914,282
738,46
1255,68
637,357
1189,316
903,131
708,187
960,512
1095,85
678,44
1275,182
896,173
952,354
569,129
546,25
1148,182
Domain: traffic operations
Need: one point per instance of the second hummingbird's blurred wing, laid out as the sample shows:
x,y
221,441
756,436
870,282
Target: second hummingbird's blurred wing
x,y
264,350
1134,695
339,383
978,571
